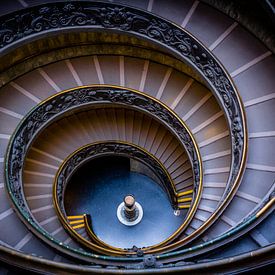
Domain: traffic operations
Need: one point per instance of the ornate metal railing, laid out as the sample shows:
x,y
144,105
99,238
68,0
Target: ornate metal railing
x,y
83,97
96,150
32,23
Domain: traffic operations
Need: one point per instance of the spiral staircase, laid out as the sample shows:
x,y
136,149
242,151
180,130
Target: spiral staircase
x,y
175,98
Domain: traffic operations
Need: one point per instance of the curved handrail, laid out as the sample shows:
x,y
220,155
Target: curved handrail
x,y
95,150
154,29
57,105
111,147
34,22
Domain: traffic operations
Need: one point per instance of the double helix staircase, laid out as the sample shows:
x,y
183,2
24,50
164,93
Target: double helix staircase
x,y
222,178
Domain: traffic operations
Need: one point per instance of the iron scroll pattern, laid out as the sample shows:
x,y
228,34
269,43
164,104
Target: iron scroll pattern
x,y
98,15
109,148
38,118
56,106
33,21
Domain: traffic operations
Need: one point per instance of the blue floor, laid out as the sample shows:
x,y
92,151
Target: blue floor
x,y
100,186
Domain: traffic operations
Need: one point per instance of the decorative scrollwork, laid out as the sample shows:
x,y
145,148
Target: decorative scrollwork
x,y
43,114
63,15
110,148
95,150
110,16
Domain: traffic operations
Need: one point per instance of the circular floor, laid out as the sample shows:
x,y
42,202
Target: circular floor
x,y
98,187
